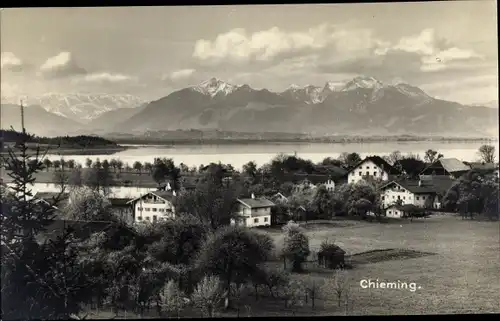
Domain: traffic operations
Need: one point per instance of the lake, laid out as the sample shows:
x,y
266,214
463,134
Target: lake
x,y
239,154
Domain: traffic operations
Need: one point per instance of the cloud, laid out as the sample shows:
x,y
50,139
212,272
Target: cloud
x,y
107,77
61,66
332,49
179,74
238,47
9,61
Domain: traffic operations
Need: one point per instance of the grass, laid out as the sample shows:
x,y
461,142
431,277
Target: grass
x,y
455,263
461,276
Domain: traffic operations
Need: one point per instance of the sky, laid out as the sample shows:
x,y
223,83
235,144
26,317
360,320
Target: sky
x,y
448,49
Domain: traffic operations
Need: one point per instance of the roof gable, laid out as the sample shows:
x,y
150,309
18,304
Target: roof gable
x,y
380,162
255,202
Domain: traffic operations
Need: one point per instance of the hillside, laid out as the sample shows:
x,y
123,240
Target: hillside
x,y
363,105
37,121
109,119
81,107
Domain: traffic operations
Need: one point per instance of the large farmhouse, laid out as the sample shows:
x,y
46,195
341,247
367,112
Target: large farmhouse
x,y
451,167
374,167
153,206
425,193
253,212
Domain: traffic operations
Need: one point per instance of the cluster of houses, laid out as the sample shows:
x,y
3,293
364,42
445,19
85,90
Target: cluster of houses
x,y
146,202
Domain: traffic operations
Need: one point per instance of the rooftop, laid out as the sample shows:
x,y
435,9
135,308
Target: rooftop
x,y
380,162
256,202
451,165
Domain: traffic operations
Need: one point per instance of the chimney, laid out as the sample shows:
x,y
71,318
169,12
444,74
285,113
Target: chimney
x,y
419,182
253,196
173,193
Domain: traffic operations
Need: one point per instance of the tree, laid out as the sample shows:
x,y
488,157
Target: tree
x,y
431,156
97,164
39,281
212,203
88,163
71,164
292,295
112,163
75,178
177,240
208,295
137,166
172,299
314,289
119,165
394,157
61,179
350,159
99,179
56,164
184,168
487,153
296,246
87,205
250,169
47,163
148,167
340,284
322,203
233,254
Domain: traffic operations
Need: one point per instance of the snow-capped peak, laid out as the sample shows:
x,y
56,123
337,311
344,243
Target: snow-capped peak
x,y
293,87
214,86
332,86
363,82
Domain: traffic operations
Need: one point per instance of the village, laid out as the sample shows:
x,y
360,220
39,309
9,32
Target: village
x,y
305,232
135,194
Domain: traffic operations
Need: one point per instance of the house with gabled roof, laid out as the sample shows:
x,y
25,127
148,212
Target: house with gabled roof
x,y
153,206
374,167
427,192
253,211
451,167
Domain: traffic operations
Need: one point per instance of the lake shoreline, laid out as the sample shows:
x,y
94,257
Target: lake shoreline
x,y
202,142
71,151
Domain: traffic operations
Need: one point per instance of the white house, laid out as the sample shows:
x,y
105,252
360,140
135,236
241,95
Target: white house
x,y
426,192
373,166
394,211
153,206
253,212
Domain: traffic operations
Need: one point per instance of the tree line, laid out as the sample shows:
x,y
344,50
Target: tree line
x,y
195,263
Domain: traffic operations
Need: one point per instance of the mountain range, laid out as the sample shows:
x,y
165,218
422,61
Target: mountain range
x,y
361,106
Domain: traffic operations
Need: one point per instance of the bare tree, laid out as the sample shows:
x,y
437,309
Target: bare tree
x,y
208,295
431,156
340,284
487,153
171,298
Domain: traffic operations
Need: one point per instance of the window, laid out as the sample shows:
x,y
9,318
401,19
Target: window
x,y
367,167
374,173
399,197
390,212
139,208
256,220
367,173
161,209
392,196
423,197
147,209
404,197
383,198
155,218
418,198
155,209
360,174
139,218
266,219
148,218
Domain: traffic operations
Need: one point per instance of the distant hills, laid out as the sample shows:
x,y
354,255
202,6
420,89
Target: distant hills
x,y
361,106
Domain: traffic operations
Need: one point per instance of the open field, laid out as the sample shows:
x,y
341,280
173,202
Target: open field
x,y
462,276
455,262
